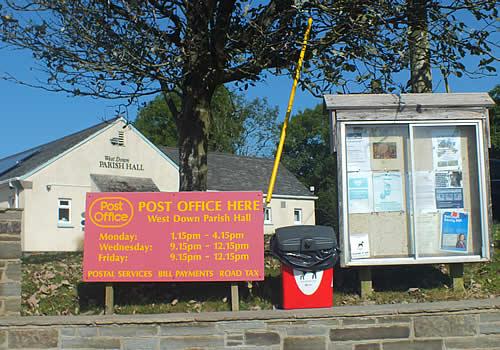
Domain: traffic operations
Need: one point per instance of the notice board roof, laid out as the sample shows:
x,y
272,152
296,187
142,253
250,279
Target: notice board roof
x,y
393,101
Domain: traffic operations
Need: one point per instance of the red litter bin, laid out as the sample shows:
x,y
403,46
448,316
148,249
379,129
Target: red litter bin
x,y
307,254
303,289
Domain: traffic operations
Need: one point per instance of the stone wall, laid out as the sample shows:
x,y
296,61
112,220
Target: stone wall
x,y
10,261
431,326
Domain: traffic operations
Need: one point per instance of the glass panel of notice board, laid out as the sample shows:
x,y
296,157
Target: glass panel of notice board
x,y
377,182
413,192
447,204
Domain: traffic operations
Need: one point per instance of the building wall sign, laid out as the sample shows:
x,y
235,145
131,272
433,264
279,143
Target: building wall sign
x,y
162,237
116,162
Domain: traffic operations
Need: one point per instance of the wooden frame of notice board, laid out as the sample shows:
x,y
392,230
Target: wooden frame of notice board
x,y
413,178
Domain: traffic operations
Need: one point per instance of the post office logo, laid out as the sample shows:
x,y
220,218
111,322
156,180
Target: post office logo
x,y
111,212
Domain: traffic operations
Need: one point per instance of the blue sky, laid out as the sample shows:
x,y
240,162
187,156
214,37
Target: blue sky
x,y
30,117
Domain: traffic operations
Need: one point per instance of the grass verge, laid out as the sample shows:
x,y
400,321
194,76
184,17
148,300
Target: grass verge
x,y
52,286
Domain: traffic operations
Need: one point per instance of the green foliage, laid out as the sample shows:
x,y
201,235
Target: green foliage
x,y
226,124
236,125
307,155
260,127
155,121
495,123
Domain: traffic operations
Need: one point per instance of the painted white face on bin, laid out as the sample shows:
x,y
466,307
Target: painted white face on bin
x,y
308,282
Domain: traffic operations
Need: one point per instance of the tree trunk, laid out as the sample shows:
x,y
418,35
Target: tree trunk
x,y
198,86
193,127
418,37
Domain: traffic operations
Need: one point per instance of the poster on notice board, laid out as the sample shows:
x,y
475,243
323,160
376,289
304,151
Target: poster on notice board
x,y
449,198
449,190
360,194
387,191
446,148
454,231
360,245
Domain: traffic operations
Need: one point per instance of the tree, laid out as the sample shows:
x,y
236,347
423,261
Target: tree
x,y
495,123
260,127
419,46
129,48
156,122
307,154
238,126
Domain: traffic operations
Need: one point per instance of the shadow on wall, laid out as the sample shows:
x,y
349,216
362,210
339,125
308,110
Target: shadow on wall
x,y
393,278
79,244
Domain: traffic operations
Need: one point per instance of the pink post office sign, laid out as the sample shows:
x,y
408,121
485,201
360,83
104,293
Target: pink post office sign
x,y
178,236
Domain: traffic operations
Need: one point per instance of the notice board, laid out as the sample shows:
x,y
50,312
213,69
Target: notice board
x,y
412,196
413,177
167,237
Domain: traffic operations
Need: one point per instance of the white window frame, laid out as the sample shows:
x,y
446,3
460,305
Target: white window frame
x,y
297,210
62,223
270,220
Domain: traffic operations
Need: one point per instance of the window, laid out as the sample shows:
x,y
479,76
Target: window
x,y
267,216
297,216
64,212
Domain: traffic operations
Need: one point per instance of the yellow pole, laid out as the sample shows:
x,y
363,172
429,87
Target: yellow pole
x,y
287,116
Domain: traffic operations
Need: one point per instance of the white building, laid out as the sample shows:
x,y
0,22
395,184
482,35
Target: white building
x,y
50,181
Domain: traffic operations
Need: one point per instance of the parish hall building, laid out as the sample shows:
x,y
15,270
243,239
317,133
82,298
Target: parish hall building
x,y
49,182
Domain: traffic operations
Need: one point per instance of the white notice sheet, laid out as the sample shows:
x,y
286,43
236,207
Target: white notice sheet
x,y
360,245
427,233
358,149
425,196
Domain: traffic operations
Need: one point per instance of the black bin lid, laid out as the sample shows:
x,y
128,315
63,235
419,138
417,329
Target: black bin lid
x,y
305,238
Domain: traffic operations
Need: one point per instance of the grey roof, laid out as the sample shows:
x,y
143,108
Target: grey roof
x,y
391,101
108,183
226,172
41,154
229,172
